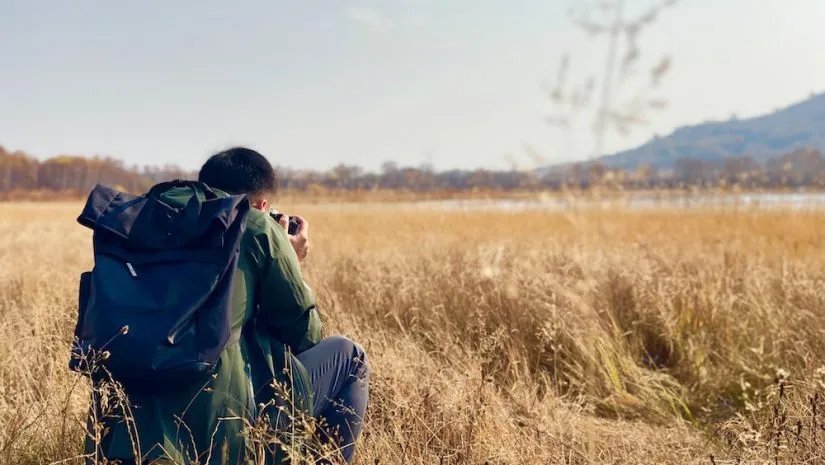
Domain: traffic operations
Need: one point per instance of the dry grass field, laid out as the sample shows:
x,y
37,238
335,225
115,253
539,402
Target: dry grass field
x,y
581,337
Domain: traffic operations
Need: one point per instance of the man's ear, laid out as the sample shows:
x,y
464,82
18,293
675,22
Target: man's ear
x,y
260,204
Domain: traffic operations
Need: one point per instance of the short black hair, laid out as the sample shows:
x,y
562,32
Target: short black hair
x,y
239,170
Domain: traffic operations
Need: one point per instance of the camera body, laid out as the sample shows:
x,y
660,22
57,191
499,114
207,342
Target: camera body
x,y
293,227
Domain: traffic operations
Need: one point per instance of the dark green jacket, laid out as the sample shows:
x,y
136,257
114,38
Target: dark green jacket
x,y
275,310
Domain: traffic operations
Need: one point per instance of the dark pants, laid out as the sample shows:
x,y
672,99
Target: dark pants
x,y
340,375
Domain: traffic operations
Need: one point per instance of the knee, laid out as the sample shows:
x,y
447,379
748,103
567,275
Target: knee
x,y
345,345
352,351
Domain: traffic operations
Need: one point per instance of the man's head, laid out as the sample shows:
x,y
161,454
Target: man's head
x,y
240,170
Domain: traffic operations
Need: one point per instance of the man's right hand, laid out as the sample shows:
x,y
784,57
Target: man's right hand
x,y
299,240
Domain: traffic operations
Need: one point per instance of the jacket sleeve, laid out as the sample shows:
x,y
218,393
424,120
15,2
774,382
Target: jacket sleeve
x,y
286,304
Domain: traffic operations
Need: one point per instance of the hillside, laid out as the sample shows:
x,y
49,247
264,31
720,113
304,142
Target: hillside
x,y
801,125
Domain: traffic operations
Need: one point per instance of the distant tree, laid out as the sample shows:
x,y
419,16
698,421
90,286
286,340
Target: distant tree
x,y
802,167
694,172
595,173
344,176
18,171
644,176
741,171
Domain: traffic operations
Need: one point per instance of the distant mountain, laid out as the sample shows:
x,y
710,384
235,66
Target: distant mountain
x,y
801,125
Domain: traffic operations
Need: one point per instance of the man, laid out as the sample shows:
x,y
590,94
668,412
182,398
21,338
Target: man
x,y
280,366
329,376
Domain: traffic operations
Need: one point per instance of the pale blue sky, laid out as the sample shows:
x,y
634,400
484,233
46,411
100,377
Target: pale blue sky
x,y
315,83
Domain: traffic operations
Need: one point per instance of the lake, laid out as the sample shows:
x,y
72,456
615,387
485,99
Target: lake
x,y
636,201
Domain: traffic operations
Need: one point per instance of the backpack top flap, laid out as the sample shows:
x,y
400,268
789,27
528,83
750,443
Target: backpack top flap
x,y
111,210
150,222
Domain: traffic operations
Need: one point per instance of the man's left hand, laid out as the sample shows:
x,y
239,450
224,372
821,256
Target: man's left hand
x,y
300,240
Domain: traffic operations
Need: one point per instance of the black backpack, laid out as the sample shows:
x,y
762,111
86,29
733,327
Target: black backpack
x,y
155,310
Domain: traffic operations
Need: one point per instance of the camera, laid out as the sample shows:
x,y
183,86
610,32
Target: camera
x,y
294,225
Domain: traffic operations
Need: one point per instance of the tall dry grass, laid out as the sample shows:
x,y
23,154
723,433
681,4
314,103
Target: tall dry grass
x,y
503,338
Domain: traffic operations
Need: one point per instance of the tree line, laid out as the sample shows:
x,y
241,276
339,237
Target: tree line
x,y
21,175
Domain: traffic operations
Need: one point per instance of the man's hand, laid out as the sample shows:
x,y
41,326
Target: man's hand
x,y
299,240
